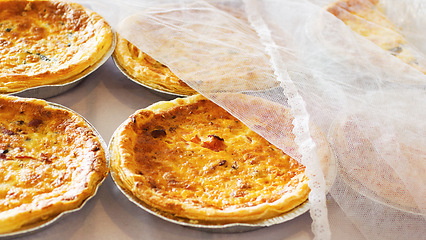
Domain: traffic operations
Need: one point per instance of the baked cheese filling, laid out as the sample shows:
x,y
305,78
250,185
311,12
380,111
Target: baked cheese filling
x,y
50,162
48,42
194,160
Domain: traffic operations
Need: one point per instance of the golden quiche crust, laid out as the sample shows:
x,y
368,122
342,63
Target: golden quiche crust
x,y
192,159
46,42
368,19
51,161
147,71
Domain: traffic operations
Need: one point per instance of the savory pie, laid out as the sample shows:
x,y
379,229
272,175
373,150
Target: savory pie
x,y
142,68
207,64
366,170
192,160
51,161
368,19
48,42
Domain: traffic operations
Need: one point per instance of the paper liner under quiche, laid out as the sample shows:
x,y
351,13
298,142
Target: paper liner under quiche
x,y
367,18
51,162
191,159
46,42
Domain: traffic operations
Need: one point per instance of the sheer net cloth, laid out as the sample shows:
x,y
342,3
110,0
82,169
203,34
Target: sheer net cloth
x,y
368,103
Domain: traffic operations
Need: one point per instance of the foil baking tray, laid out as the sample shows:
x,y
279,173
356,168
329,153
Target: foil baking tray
x,y
41,225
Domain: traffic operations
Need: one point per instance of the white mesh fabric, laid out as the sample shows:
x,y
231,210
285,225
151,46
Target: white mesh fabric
x,y
340,86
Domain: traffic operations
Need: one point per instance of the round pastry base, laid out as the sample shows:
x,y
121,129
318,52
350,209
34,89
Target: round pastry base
x,y
50,220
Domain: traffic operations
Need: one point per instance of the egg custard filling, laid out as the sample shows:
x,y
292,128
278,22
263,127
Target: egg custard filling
x,y
51,161
191,159
48,42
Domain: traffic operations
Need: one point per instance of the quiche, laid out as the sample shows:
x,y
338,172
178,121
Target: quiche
x,y
191,160
143,69
366,171
204,57
51,162
46,42
368,19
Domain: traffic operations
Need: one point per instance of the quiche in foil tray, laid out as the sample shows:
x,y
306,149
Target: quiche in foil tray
x,y
191,162
51,162
49,43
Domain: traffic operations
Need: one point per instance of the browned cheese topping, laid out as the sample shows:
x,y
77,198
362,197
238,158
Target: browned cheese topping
x,y
50,160
47,42
202,155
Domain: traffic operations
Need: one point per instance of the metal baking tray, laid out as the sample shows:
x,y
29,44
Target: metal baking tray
x,y
40,225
